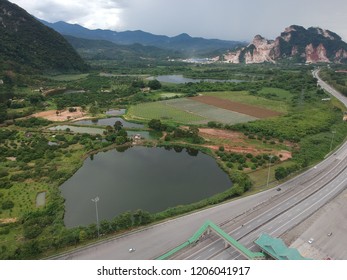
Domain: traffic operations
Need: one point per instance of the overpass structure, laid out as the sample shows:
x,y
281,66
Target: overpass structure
x,y
228,241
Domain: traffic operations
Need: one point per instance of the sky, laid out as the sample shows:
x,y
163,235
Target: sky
x,y
237,20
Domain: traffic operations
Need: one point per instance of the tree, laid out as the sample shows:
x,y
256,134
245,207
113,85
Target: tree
x,y
7,205
122,133
280,173
124,221
94,109
118,125
154,84
3,113
155,124
120,140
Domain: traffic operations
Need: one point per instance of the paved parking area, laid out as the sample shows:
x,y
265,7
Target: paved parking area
x,y
327,228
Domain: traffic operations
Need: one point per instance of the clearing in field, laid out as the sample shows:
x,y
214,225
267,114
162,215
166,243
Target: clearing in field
x,y
237,142
246,109
60,116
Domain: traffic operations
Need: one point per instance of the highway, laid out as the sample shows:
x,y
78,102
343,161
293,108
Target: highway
x,y
273,212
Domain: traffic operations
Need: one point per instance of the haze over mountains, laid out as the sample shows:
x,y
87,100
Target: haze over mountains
x,y
182,43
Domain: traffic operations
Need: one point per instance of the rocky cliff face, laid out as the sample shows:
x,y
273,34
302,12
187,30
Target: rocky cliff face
x,y
312,45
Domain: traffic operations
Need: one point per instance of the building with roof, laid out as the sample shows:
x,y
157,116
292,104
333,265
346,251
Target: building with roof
x,y
276,249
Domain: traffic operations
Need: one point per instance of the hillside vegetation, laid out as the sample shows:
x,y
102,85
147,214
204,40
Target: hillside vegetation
x,y
27,44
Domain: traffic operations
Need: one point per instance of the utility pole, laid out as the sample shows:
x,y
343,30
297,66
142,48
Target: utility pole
x,y
268,175
332,139
97,214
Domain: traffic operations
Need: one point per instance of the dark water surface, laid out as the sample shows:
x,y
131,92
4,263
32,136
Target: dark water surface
x,y
109,121
151,179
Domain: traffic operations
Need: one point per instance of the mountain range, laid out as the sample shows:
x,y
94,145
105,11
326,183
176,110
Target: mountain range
x,y
27,44
182,43
312,45
106,50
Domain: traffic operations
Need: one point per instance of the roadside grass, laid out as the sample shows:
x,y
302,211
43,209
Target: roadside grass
x,y
246,98
259,177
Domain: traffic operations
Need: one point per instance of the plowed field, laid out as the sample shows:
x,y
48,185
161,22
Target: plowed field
x,y
236,107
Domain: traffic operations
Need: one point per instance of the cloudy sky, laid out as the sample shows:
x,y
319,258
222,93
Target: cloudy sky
x,y
222,19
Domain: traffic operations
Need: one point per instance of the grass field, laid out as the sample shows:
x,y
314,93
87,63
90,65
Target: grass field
x,y
275,94
246,98
169,94
185,111
164,112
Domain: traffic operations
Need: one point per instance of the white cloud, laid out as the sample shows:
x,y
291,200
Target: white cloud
x,y
224,19
93,14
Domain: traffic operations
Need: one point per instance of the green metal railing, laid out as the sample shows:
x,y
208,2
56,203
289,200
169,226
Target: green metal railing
x,y
209,225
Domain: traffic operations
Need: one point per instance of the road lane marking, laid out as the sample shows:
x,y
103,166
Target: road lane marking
x,y
318,201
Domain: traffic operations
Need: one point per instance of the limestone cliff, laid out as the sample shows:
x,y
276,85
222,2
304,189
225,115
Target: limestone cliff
x,y
312,45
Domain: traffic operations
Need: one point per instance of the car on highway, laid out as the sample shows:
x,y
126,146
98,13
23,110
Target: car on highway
x,y
311,240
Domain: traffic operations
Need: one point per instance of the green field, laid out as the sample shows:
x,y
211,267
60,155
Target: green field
x,y
185,111
160,110
169,94
280,106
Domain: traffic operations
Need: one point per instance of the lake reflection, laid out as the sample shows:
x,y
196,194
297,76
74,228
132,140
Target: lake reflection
x,y
151,179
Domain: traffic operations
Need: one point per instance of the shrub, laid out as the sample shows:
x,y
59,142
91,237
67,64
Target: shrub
x,y
7,205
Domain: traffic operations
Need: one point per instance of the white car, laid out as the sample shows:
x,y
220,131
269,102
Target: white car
x,y
311,240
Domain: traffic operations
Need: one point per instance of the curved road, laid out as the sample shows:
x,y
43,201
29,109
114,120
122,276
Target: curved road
x,y
272,211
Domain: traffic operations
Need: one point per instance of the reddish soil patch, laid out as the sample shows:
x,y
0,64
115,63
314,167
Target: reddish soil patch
x,y
240,147
236,107
222,134
283,155
64,115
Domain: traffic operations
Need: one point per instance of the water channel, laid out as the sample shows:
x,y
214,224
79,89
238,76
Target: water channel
x,y
152,179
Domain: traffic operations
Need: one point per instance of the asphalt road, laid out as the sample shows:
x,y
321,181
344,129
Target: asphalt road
x,y
272,211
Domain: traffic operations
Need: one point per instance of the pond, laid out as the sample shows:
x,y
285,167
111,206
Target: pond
x,y
109,121
114,112
152,179
77,129
179,79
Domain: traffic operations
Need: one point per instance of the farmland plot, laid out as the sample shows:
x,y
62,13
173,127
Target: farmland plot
x,y
164,112
185,111
212,113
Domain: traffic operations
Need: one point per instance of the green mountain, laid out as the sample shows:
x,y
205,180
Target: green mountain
x,y
183,43
106,50
26,44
